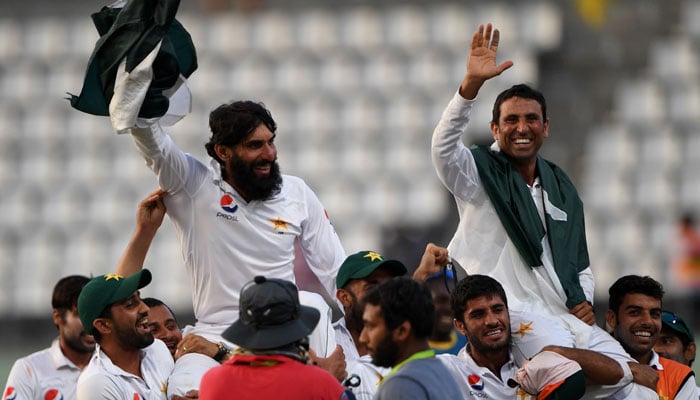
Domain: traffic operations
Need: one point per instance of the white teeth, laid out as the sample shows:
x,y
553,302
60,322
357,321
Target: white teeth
x,y
496,332
643,333
521,141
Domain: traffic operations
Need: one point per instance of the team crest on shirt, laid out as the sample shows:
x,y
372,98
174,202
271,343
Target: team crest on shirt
x,y
524,328
10,394
475,382
53,394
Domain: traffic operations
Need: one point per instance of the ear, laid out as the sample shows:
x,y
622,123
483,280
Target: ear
x,y
546,128
494,130
344,297
402,332
57,319
224,152
611,319
459,326
103,325
689,352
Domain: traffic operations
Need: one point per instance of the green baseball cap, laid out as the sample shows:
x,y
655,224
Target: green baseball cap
x,y
677,324
105,290
362,264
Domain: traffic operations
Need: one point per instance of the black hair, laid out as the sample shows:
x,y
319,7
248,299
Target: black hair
x,y
523,91
231,123
66,292
633,284
153,302
472,287
402,299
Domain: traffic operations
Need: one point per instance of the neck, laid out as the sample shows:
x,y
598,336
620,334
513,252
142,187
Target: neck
x,y
80,359
127,359
644,358
527,172
493,360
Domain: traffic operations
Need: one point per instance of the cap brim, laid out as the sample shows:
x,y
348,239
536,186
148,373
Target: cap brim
x,y
250,337
395,268
131,284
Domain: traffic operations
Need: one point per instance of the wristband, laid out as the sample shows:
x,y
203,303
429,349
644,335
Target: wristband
x,y
223,350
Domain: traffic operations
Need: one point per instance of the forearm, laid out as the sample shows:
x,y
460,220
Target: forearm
x,y
598,368
134,256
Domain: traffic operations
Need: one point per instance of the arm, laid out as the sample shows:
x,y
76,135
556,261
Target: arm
x,y
434,258
453,162
197,344
598,368
688,390
148,219
644,375
23,379
320,243
584,310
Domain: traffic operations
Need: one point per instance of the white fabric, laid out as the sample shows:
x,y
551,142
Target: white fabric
x,y
546,368
481,244
370,375
480,383
102,380
130,90
46,374
188,372
223,250
322,338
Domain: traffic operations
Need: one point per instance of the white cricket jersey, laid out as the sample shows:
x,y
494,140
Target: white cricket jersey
x,y
44,375
370,375
225,241
481,244
102,380
480,383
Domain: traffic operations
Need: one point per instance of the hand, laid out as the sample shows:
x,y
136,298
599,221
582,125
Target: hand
x,y
584,312
434,258
644,375
196,344
481,64
151,210
191,395
335,363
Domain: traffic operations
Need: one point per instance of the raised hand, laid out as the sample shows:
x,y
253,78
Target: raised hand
x,y
481,63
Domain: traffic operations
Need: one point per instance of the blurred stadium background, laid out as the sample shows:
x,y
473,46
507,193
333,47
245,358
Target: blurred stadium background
x,y
356,88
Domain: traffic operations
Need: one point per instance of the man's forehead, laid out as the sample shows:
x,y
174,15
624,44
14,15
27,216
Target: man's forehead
x,y
484,301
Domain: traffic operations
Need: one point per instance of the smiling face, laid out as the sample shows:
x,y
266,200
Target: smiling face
x,y
486,325
130,326
252,164
520,129
164,327
636,324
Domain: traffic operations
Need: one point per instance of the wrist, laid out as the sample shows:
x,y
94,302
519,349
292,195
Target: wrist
x,y
222,352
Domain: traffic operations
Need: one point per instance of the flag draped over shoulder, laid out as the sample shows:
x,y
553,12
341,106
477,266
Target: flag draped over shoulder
x,y
518,214
130,33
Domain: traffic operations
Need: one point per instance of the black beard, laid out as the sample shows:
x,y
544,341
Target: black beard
x,y
250,184
75,343
386,352
129,338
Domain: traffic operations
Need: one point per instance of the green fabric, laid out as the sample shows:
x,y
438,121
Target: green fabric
x,y
511,198
133,32
574,387
430,353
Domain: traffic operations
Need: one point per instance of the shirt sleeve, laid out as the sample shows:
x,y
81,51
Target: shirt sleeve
x,y
587,281
99,387
452,160
177,171
320,243
22,380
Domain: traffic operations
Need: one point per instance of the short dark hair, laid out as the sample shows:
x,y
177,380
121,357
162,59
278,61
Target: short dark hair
x,y
403,299
231,123
66,292
523,91
472,287
153,302
645,285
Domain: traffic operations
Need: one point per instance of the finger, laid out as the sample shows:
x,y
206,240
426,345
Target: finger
x,y
487,34
504,66
495,39
478,37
